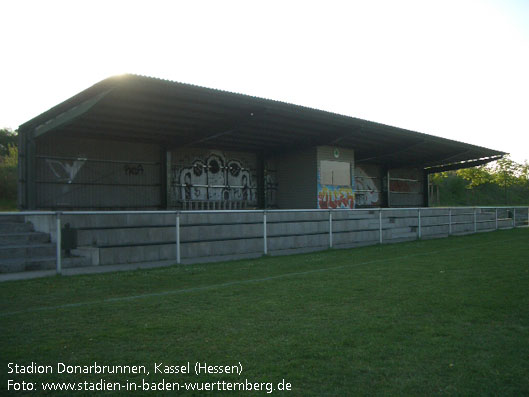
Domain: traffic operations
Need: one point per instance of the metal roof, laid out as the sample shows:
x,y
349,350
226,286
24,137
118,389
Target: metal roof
x,y
146,109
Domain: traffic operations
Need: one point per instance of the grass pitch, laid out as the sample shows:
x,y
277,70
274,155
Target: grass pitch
x,y
436,317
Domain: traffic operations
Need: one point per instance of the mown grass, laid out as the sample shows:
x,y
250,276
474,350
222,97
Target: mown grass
x,y
437,317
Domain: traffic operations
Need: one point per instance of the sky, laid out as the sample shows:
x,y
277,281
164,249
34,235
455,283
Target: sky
x,y
455,69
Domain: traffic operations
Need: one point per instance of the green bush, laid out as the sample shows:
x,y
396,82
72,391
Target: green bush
x,y
503,183
8,178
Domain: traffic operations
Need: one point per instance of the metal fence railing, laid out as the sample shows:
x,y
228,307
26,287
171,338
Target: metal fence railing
x,y
444,220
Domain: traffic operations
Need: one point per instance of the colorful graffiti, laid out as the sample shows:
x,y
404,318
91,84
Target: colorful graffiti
x,y
330,197
335,196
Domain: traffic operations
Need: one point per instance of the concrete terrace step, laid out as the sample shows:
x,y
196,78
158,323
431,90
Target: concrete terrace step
x,y
15,227
26,251
155,234
40,263
159,234
167,251
12,218
21,238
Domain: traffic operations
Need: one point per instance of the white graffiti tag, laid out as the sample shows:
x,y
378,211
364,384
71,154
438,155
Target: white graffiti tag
x,y
64,171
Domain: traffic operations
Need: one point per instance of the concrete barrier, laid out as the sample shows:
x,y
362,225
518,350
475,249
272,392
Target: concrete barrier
x,y
127,237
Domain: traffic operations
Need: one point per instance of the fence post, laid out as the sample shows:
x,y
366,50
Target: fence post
x,y
380,225
59,242
419,224
177,247
265,242
528,216
449,221
496,219
514,218
475,220
330,228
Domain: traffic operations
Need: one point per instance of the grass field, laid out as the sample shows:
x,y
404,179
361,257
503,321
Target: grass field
x,y
437,317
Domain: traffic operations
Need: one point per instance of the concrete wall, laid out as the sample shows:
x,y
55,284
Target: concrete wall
x,y
296,175
84,173
129,238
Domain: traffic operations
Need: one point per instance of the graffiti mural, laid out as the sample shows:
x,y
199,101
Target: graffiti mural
x,y
65,171
335,197
270,181
367,191
213,177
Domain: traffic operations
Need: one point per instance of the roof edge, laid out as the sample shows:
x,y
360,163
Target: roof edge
x,y
463,164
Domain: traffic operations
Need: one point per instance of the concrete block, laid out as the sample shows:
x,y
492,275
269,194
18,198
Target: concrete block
x,y
400,233
350,225
462,228
293,228
26,251
433,230
90,253
220,232
12,218
397,222
433,220
216,248
15,227
220,218
27,264
295,242
354,215
297,216
24,238
356,237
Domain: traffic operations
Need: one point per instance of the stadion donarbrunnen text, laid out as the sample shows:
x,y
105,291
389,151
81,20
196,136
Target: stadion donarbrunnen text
x,y
196,368
168,377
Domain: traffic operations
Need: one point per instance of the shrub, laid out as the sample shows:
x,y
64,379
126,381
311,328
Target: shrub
x,y
8,175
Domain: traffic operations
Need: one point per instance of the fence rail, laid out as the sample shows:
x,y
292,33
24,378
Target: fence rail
x,y
442,220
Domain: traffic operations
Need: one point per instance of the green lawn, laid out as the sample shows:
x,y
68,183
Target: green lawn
x,y
437,317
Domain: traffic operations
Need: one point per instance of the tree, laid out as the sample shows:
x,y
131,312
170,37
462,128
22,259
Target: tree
x,y
8,138
506,173
8,175
503,181
476,176
523,178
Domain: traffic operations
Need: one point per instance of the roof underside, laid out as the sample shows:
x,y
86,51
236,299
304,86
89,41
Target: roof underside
x,y
144,109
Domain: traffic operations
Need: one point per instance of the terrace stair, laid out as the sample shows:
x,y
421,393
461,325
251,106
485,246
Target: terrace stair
x,y
24,249
121,238
130,239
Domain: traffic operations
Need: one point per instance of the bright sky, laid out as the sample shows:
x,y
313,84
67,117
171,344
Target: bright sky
x,y
457,69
